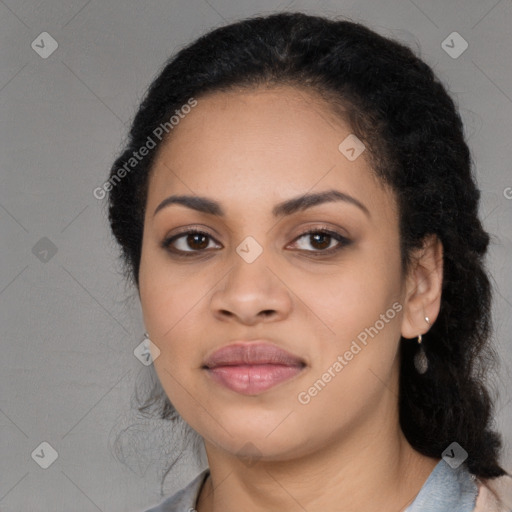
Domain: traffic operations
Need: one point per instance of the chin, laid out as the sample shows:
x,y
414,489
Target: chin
x,y
264,441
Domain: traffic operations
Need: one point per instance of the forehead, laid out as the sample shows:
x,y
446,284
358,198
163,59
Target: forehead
x,y
265,118
259,144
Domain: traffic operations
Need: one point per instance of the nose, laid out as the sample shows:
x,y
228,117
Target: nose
x,y
251,293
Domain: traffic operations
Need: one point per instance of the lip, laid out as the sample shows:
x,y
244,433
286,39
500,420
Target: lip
x,y
250,368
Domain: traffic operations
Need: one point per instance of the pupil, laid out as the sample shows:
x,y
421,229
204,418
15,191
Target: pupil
x,y
192,240
322,236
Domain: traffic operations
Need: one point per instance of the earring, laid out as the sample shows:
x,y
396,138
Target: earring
x,y
420,358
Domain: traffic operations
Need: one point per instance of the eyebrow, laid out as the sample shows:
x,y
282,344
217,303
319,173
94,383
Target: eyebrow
x,y
288,207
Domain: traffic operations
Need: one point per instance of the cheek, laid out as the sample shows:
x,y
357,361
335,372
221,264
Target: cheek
x,y
352,367
171,314
353,295
357,311
173,302
166,296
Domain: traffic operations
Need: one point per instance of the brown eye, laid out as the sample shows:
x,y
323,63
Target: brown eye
x,y
322,241
188,243
197,241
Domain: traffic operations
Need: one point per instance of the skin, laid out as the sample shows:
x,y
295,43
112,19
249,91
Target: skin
x,y
248,151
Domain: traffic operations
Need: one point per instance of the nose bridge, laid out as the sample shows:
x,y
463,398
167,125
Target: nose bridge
x,y
250,287
249,273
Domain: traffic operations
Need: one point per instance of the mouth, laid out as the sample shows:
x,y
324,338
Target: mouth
x,y
252,368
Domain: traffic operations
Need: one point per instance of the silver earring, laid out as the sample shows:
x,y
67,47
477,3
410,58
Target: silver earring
x,y
420,358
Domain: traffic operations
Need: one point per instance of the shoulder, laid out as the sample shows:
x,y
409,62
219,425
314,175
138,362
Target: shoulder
x,y
494,494
185,499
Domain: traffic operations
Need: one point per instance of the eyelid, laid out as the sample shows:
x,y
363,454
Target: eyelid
x,y
323,228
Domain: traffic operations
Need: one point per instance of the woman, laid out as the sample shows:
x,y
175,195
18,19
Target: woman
x,y
296,208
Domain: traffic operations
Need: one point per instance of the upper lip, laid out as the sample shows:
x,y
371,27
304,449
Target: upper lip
x,y
260,352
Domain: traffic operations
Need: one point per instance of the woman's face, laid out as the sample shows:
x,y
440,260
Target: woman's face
x,y
334,302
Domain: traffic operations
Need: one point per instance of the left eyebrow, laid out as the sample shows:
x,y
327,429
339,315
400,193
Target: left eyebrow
x,y
308,200
288,207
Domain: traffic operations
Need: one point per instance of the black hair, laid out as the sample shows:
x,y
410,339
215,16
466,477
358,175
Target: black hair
x,y
414,136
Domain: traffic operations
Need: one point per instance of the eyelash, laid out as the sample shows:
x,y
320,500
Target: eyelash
x,y
343,242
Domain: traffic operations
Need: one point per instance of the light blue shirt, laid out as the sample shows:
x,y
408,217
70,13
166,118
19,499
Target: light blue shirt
x,y
445,490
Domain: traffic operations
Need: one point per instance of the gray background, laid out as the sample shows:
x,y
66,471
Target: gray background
x,y
69,324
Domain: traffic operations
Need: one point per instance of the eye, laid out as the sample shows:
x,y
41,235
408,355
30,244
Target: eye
x,y
322,240
194,242
188,243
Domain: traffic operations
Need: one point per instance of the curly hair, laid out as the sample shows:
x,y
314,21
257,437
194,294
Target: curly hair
x,y
414,137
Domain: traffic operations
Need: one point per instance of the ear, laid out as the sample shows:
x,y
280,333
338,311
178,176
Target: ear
x,y
423,288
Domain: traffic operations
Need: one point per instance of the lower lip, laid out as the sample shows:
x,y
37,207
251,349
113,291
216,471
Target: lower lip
x,y
253,379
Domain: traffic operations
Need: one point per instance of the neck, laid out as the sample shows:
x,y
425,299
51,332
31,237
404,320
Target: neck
x,y
369,467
